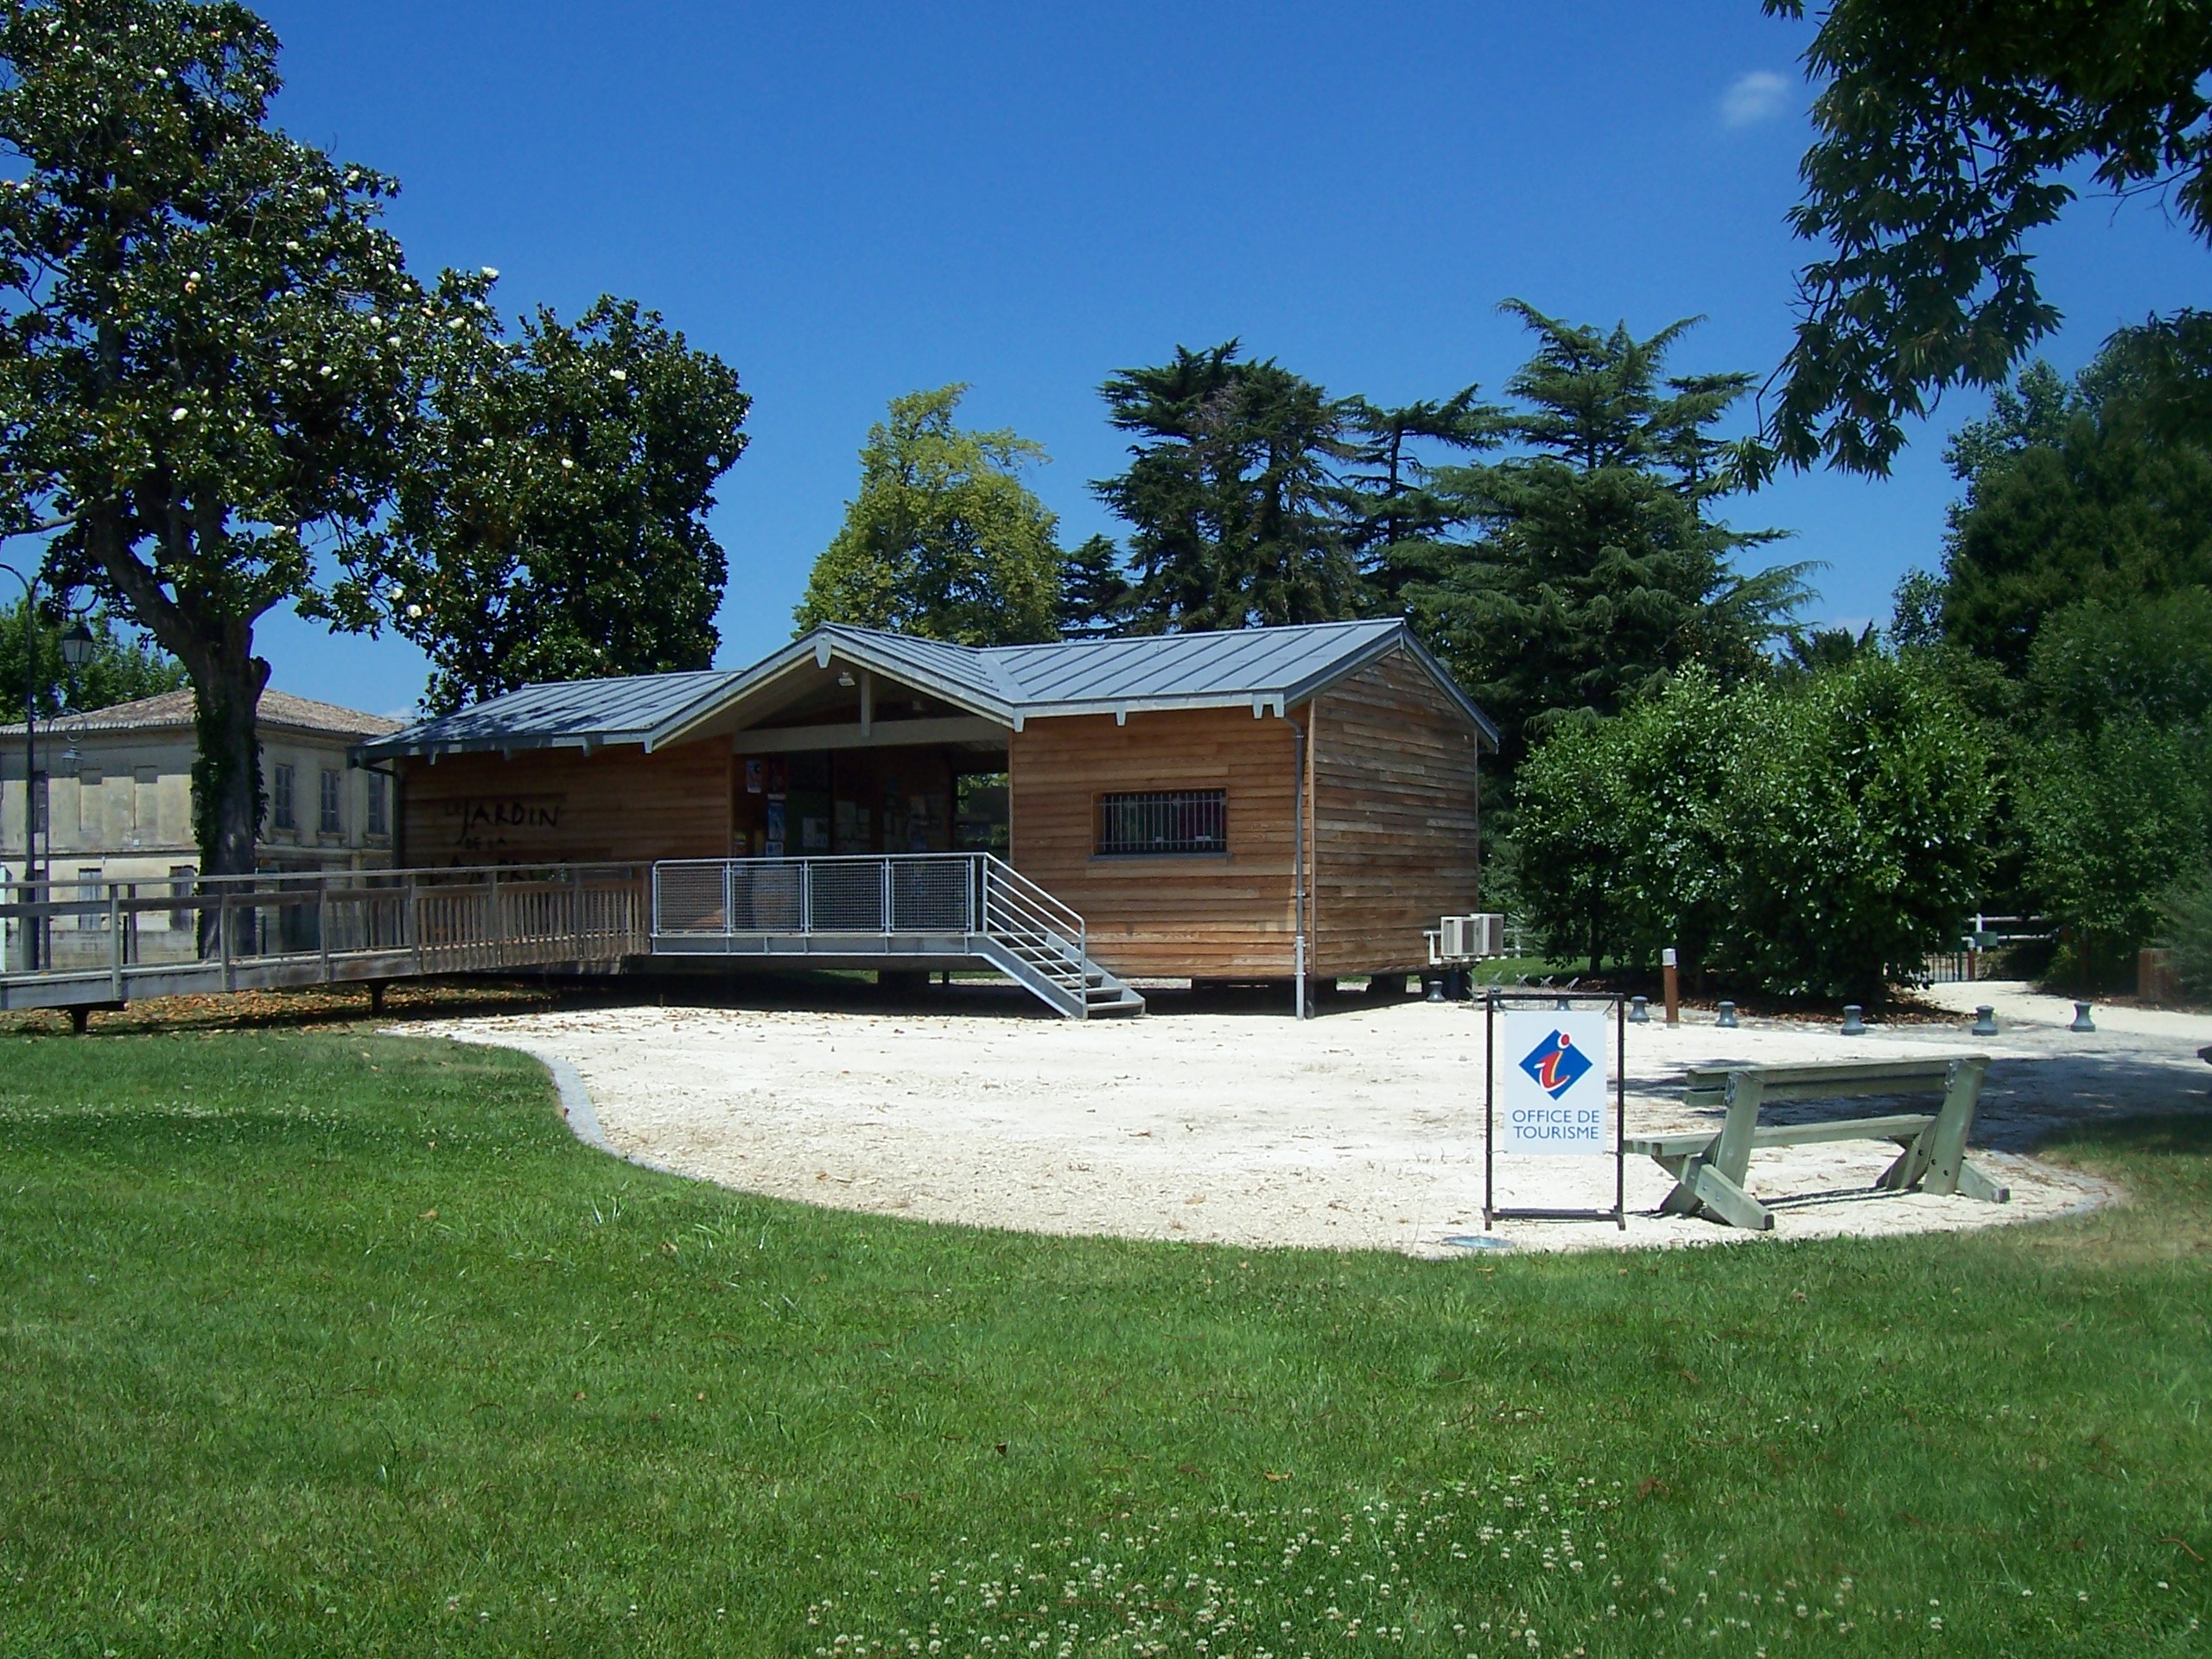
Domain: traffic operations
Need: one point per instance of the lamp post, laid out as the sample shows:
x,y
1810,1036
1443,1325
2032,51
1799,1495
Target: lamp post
x,y
30,928
77,648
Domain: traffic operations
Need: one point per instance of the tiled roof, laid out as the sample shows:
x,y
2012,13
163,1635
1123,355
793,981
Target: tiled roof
x,y
172,711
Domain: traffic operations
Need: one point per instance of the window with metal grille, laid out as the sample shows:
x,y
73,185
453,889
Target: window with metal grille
x,y
329,821
379,824
280,799
1163,821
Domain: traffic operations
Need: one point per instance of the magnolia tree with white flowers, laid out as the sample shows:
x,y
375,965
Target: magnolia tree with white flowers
x,y
207,340
218,378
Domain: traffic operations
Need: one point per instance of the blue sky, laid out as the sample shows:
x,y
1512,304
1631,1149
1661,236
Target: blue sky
x,y
849,202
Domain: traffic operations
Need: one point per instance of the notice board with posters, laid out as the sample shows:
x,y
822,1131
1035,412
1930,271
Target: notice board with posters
x,y
1554,1090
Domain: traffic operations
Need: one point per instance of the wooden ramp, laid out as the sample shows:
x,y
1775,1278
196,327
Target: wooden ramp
x,y
89,945
105,945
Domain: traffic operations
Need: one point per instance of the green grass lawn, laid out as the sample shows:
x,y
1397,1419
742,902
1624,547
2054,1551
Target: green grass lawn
x,y
319,1342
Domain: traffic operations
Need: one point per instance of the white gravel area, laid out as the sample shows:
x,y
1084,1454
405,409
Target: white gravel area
x,y
1359,1129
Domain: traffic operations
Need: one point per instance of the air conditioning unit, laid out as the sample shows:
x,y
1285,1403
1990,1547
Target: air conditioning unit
x,y
1469,938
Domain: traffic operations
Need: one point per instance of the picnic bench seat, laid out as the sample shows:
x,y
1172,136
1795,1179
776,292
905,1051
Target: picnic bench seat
x,y
1709,1164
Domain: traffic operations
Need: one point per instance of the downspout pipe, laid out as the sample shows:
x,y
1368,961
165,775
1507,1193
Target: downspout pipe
x,y
1298,870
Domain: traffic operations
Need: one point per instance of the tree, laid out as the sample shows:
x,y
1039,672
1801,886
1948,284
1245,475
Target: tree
x,y
1946,137
2071,493
551,524
2114,777
204,345
944,540
1858,802
1232,493
1400,526
125,665
2112,816
1598,567
1094,590
1800,835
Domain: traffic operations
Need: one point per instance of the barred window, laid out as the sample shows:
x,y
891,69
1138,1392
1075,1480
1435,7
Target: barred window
x,y
379,822
280,799
331,821
1163,821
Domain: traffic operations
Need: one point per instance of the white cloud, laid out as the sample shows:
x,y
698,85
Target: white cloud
x,y
1753,98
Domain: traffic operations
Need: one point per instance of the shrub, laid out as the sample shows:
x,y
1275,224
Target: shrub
x,y
1798,839
2110,819
2187,931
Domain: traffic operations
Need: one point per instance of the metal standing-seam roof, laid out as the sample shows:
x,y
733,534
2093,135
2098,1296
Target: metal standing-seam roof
x,y
1265,668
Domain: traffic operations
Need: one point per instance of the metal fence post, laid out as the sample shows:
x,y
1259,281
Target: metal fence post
x,y
885,916
224,924
115,942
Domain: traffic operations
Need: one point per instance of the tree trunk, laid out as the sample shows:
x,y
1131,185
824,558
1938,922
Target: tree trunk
x,y
217,651
226,773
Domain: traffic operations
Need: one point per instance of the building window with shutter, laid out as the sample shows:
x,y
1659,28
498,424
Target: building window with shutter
x,y
331,821
1153,822
379,821
281,812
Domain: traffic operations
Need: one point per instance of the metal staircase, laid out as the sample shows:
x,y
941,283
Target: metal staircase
x,y
1025,935
894,911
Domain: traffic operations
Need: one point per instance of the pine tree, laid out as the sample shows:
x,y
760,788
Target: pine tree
x,y
1233,494
1398,524
1597,568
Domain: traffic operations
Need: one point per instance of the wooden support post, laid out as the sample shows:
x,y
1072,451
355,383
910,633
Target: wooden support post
x,y
376,996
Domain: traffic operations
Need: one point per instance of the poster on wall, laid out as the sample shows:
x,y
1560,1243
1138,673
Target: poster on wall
x,y
755,777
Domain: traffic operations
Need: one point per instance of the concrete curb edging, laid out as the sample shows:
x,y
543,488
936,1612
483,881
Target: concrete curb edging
x,y
575,1100
582,1119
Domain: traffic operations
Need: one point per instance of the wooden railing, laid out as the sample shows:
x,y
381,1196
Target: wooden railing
x,y
77,943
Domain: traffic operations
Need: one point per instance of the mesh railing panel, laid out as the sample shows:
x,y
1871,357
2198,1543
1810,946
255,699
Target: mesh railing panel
x,y
846,898
767,898
687,898
931,895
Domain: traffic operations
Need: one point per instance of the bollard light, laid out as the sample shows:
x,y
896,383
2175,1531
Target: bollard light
x,y
1985,1020
1855,1020
1639,1010
2081,1020
1727,1020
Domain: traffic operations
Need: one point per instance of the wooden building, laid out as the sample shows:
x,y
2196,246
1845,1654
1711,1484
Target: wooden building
x,y
1207,801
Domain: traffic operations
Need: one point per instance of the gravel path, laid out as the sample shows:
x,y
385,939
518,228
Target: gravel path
x,y
1361,1129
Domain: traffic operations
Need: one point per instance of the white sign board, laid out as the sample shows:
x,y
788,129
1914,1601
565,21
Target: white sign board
x,y
1555,1084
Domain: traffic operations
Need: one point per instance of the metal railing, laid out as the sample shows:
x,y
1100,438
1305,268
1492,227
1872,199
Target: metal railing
x,y
124,939
948,899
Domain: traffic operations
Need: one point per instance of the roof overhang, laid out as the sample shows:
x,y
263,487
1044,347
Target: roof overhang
x,y
762,686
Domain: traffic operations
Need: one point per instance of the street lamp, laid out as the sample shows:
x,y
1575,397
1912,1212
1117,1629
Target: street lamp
x,y
77,644
29,928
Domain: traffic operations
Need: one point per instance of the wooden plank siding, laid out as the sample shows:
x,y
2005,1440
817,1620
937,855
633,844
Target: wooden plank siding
x,y
558,807
1203,916
1397,816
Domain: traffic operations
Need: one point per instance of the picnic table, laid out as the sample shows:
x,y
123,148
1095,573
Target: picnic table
x,y
1709,1165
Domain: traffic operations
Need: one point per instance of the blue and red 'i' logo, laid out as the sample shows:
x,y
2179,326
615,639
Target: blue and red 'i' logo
x,y
1556,1064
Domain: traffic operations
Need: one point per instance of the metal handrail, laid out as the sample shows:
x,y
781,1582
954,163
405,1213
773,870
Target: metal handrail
x,y
699,898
